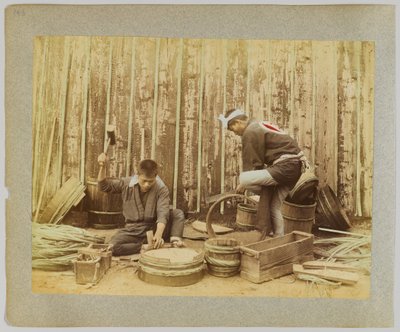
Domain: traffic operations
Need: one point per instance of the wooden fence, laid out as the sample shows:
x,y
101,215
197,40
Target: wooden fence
x,y
164,96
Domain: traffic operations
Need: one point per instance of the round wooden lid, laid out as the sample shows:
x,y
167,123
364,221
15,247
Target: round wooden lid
x,y
173,255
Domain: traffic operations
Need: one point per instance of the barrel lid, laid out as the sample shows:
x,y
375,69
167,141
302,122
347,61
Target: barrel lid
x,y
305,189
172,255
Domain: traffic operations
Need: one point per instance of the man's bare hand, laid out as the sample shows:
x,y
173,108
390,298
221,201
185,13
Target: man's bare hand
x,y
240,189
102,159
157,241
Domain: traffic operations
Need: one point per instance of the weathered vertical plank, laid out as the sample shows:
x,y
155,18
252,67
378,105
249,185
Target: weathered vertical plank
x,y
259,87
213,105
292,69
303,81
236,83
200,128
128,170
326,113
168,77
119,99
99,67
280,84
188,140
347,83
74,112
357,55
144,98
62,107
367,70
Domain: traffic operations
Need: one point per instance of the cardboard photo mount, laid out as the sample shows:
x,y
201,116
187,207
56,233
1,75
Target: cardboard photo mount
x,y
341,22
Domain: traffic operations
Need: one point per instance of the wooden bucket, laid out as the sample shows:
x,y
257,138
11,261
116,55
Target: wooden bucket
x,y
246,215
298,217
171,266
104,209
222,256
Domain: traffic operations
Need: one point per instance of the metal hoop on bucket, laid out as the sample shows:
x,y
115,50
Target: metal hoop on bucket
x,y
210,230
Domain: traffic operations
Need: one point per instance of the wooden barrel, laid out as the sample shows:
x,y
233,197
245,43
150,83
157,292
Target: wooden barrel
x,y
298,217
171,266
104,209
222,256
329,212
246,215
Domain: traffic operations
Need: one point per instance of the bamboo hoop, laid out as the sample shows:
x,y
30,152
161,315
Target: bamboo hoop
x,y
210,230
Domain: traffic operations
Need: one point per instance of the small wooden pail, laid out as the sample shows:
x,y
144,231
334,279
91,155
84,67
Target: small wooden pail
x,y
222,256
298,217
171,266
246,215
104,209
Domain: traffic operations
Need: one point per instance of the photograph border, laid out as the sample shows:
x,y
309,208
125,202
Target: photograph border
x,y
341,22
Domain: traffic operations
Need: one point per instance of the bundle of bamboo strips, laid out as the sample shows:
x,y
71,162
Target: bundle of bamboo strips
x,y
70,194
353,250
55,246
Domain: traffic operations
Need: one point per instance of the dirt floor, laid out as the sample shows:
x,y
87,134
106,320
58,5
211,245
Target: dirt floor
x,y
122,277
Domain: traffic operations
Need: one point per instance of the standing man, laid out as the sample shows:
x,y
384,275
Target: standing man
x,y
146,207
270,159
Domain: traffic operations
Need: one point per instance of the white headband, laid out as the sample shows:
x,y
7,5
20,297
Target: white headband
x,y
234,114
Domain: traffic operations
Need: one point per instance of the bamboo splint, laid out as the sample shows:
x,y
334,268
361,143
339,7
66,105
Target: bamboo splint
x,y
333,275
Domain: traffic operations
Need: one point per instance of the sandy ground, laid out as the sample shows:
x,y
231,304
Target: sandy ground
x,y
122,279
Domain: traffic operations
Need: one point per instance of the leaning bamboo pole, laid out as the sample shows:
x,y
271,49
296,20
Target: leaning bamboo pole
x,y
44,181
131,102
223,131
177,122
38,125
85,109
109,81
63,104
200,126
155,101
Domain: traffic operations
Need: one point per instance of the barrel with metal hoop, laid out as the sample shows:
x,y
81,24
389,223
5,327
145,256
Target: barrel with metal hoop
x,y
171,266
104,209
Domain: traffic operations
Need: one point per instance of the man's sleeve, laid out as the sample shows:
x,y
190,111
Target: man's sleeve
x,y
114,186
253,151
163,205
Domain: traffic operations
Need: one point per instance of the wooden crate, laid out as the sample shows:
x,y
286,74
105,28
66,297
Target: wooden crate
x,y
102,251
87,271
274,258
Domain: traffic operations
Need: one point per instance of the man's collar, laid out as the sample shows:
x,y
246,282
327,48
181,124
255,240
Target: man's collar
x,y
134,180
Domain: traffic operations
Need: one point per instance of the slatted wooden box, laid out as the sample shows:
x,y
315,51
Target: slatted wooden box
x,y
274,258
87,271
103,251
